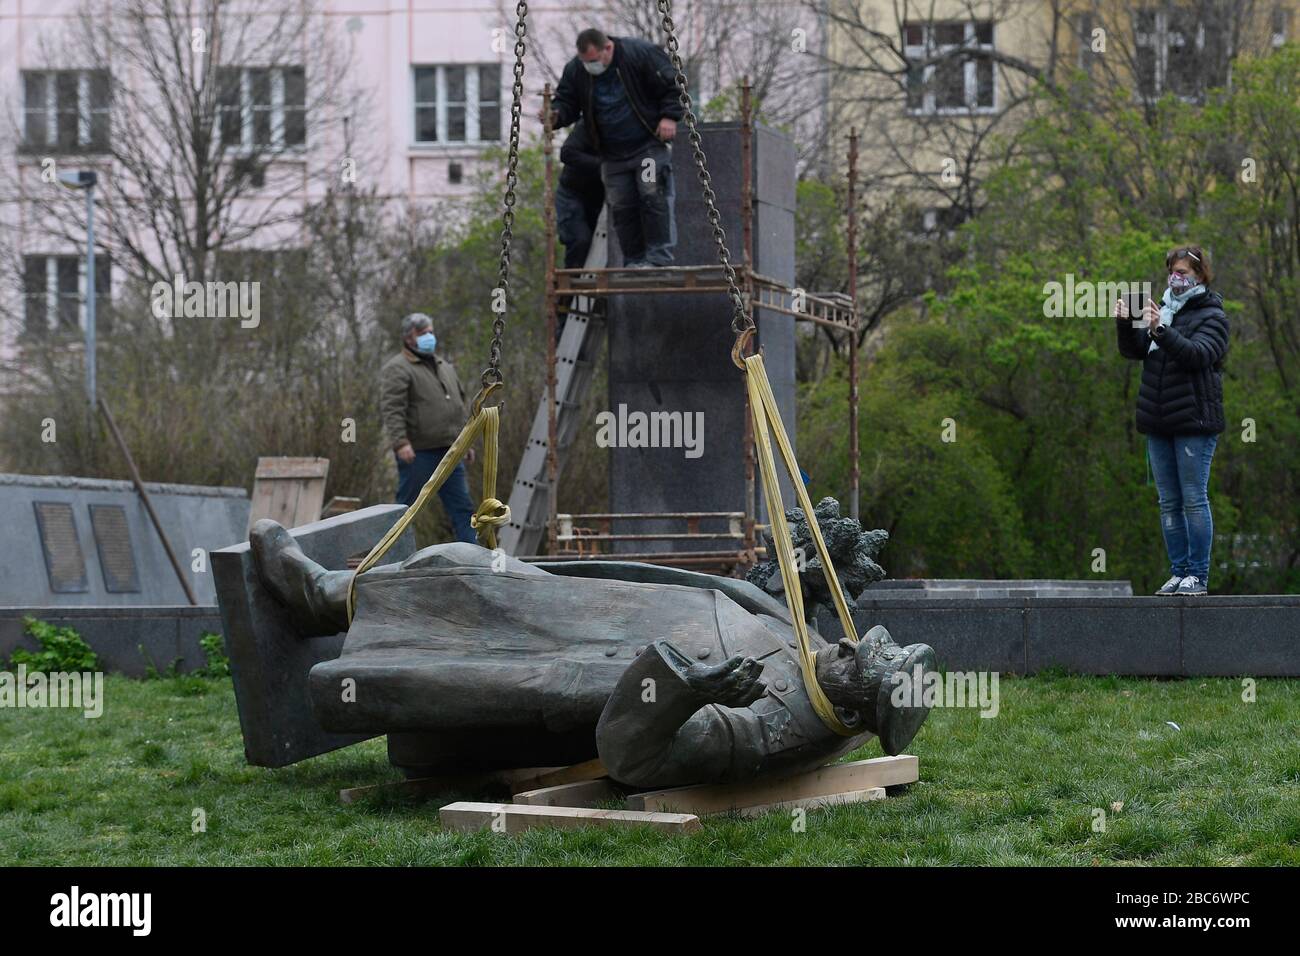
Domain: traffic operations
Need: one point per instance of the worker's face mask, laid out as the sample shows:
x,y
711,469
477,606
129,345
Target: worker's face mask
x,y
426,343
594,67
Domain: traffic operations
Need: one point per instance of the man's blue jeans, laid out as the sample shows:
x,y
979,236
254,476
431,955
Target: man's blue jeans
x,y
454,491
641,198
1181,467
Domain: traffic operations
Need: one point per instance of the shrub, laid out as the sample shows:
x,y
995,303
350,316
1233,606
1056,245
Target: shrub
x,y
214,649
62,649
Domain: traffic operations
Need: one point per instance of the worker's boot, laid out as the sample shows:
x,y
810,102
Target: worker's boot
x,y
315,597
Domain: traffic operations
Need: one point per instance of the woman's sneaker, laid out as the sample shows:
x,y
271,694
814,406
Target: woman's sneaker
x,y
1191,585
1170,587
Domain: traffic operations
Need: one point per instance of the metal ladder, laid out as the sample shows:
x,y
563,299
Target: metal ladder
x,y
580,342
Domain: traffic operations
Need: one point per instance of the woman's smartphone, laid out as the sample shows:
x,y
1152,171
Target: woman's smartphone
x,y
1136,302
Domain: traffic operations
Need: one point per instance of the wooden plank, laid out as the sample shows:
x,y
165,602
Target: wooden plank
x,y
469,780
588,770
281,467
836,778
425,786
289,490
340,505
587,793
812,803
526,778
511,818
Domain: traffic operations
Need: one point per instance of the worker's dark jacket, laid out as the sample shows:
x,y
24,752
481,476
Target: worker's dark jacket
x,y
421,400
1182,383
648,79
581,172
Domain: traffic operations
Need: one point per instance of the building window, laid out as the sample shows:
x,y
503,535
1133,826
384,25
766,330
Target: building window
x,y
458,103
956,84
935,222
54,293
1281,26
279,274
66,110
1084,25
455,173
263,107
1170,47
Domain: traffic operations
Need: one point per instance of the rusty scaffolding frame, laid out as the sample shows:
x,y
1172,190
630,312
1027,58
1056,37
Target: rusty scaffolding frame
x,y
830,310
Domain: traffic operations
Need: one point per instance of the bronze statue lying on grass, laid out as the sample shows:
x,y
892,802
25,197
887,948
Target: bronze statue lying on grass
x,y
469,658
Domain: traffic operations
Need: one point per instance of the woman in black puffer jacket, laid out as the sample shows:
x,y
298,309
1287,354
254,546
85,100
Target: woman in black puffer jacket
x,y
1181,344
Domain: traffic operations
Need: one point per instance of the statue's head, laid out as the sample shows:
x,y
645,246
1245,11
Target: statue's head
x,y
859,677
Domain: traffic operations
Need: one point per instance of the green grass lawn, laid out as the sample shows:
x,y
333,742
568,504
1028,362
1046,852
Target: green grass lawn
x,y
1017,789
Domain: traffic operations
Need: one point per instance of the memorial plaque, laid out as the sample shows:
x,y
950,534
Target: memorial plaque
x,y
64,562
113,542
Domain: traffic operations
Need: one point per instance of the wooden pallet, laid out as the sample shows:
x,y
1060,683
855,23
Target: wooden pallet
x,y
582,802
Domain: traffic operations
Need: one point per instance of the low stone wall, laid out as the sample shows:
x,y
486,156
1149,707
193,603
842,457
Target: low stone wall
x,y
88,542
1211,636
1227,636
126,639
911,588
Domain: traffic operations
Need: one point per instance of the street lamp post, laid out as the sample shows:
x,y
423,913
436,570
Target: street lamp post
x,y
86,179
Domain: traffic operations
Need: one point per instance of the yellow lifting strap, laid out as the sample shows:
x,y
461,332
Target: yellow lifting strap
x,y
491,513
762,406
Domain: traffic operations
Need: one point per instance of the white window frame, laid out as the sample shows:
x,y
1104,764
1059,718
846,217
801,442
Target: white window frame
x,y
276,109
1158,44
51,108
473,105
970,81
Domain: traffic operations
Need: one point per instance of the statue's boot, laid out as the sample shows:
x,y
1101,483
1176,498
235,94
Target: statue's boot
x,y
315,597
895,677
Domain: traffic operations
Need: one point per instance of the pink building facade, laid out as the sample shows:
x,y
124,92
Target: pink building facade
x,y
429,88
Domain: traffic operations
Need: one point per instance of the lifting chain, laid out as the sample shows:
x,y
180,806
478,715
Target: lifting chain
x,y
742,323
492,377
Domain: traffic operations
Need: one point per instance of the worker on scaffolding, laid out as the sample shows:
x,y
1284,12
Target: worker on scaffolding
x,y
624,92
578,197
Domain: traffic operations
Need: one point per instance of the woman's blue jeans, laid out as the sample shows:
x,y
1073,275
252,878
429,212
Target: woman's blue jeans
x,y
1181,467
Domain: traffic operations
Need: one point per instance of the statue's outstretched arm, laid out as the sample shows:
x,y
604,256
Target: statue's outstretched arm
x,y
658,730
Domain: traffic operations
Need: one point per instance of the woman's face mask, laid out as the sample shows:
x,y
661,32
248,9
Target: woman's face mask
x,y
1178,283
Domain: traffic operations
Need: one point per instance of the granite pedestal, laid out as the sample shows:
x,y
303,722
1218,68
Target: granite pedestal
x,y
671,352
268,660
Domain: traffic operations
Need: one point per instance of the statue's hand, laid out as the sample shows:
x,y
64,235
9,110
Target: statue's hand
x,y
734,683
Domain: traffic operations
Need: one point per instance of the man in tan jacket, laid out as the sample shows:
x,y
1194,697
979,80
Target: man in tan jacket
x,y
424,408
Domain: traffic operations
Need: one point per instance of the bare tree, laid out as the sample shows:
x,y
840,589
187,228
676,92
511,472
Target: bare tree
x,y
212,105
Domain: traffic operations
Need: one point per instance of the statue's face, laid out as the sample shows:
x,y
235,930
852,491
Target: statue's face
x,y
841,676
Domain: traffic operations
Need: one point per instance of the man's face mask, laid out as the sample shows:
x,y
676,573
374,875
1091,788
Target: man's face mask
x,y
594,67
1178,284
426,343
